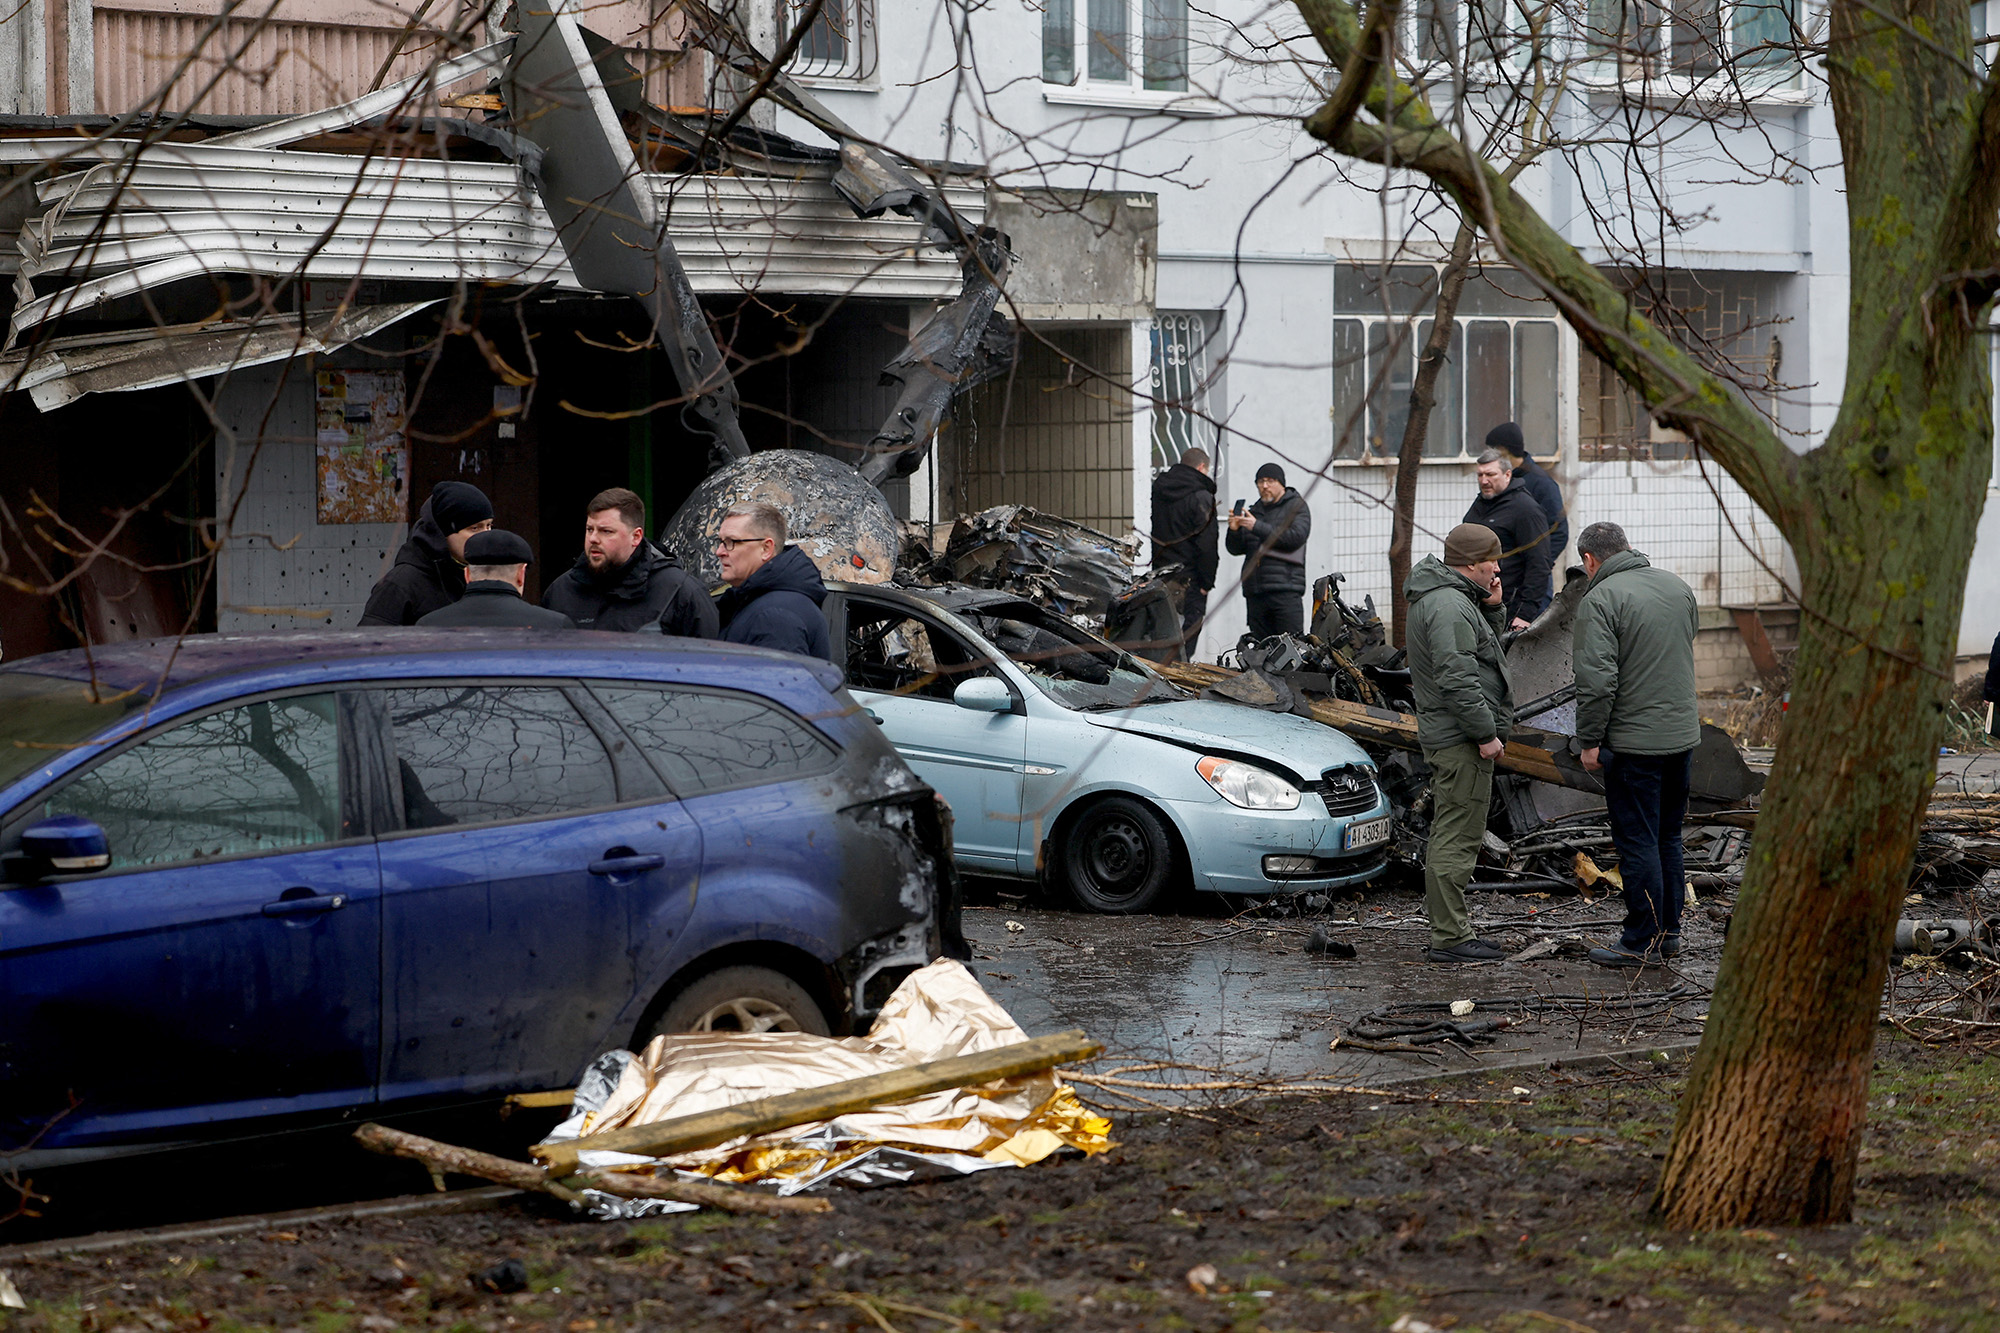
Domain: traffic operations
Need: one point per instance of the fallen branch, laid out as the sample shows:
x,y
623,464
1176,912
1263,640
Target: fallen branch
x,y
722,1198
445,1157
690,1133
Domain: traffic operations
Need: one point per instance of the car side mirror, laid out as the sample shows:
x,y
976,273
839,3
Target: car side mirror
x,y
60,845
984,694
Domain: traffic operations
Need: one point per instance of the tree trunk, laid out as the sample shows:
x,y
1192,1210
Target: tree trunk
x,y
1881,518
1423,397
1771,1123
1770,1127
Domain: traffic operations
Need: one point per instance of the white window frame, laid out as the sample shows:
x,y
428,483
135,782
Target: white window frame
x,y
1568,39
856,22
1415,330
1782,80
1129,93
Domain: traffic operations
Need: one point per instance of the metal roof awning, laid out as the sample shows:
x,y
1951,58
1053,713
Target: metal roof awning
x,y
65,369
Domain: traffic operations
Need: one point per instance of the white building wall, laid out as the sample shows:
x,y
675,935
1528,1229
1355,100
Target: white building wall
x,y
280,568
1251,222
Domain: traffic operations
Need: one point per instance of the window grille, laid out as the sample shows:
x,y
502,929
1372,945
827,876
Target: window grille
x,y
1182,384
839,45
1728,321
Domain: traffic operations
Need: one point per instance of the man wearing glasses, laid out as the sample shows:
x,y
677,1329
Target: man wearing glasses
x,y
775,591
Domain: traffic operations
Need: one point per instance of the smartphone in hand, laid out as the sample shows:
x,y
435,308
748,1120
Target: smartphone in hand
x,y
1238,509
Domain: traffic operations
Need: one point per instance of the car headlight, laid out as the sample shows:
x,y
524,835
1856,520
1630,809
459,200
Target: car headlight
x,y
1247,785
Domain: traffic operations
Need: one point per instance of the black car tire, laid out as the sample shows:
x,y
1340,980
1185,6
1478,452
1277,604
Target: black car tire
x,y
740,999
1117,857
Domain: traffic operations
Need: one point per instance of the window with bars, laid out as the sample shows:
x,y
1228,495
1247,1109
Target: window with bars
x,y
1133,45
1183,385
840,44
1502,363
1729,321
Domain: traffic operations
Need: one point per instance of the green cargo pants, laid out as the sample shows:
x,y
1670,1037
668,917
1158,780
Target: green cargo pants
x,y
1461,787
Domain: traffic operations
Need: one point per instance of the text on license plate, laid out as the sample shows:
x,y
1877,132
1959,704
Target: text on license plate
x,y
1367,835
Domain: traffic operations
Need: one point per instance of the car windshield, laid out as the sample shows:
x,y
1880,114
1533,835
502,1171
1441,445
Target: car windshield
x,y
1071,666
42,716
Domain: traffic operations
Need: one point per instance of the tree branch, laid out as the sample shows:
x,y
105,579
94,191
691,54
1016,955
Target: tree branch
x,y
1371,52
1680,391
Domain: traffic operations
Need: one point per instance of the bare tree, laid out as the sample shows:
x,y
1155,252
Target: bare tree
x,y
1882,516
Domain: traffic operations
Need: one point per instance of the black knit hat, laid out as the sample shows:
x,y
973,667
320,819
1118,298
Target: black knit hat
x,y
457,505
1507,438
498,547
1273,471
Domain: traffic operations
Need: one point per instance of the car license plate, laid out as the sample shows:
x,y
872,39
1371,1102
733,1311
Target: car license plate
x,y
1368,834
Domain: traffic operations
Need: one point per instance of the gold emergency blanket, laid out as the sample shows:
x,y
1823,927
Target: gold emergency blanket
x,y
938,1012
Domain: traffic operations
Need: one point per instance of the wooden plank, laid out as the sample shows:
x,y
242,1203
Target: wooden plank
x,y
690,1133
1382,726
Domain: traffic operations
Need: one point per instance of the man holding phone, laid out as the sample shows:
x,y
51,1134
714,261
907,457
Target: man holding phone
x,y
1271,538
1465,708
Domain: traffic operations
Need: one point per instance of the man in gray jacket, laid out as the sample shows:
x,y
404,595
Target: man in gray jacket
x,y
1465,707
1638,724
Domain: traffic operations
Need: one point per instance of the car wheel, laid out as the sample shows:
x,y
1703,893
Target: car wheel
x,y
740,999
1117,857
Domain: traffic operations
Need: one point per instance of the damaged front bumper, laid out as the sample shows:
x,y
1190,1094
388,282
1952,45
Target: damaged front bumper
x,y
913,850
1279,851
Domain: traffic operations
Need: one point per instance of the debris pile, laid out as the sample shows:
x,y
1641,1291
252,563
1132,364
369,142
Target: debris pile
x,y
945,1083
1418,1026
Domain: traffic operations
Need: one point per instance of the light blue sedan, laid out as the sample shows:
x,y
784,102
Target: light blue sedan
x,y
1065,757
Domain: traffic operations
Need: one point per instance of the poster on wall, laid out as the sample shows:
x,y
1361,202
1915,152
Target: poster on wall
x,y
364,458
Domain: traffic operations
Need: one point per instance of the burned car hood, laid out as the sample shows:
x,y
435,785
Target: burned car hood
x,y
1304,748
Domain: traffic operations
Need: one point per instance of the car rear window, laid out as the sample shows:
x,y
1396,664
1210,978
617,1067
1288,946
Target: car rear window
x,y
43,716
704,740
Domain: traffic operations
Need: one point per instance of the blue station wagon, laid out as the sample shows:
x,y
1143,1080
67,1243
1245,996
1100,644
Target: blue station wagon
x,y
276,879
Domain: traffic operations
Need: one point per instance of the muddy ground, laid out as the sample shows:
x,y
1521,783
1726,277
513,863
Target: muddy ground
x,y
1515,1212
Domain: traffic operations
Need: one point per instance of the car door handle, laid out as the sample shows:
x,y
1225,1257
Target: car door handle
x,y
873,716
627,865
312,906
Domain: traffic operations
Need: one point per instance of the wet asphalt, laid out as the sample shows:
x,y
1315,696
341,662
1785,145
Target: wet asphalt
x,y
1239,999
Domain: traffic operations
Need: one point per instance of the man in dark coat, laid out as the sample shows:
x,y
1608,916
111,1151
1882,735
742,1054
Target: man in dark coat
x,y
429,570
624,582
1507,439
1184,533
496,570
1271,538
775,591
1505,506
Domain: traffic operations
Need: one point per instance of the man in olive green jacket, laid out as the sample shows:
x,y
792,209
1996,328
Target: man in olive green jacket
x,y
1465,707
1638,724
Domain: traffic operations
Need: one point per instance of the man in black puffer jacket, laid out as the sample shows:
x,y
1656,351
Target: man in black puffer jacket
x,y
624,582
1508,440
775,591
1271,538
1184,533
429,570
1505,506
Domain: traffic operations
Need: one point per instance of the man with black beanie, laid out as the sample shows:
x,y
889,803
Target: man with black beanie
x,y
496,573
429,569
1505,506
1271,538
1507,439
